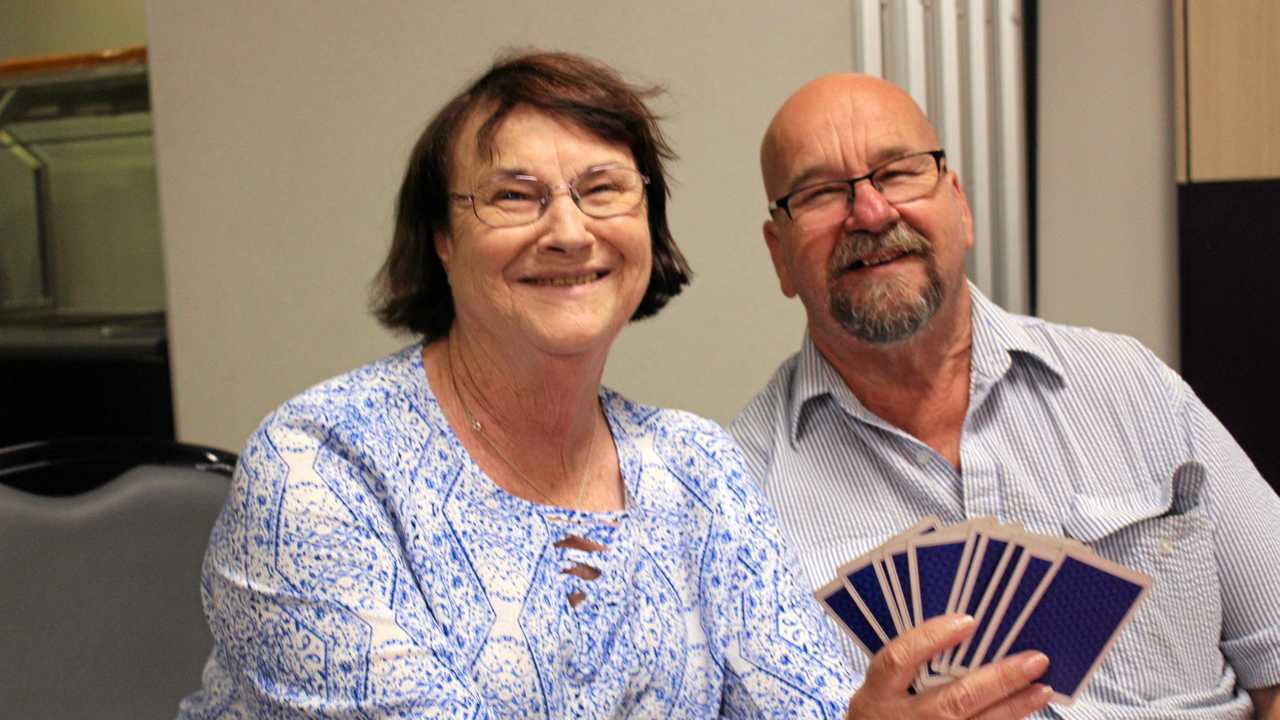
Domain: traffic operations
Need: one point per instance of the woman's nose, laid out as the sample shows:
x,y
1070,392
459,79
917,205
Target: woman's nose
x,y
566,224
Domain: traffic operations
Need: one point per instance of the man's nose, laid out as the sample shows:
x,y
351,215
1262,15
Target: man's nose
x,y
870,211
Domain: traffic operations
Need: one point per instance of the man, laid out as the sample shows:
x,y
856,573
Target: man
x,y
914,394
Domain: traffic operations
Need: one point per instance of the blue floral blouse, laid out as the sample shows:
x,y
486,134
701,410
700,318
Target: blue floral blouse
x,y
365,567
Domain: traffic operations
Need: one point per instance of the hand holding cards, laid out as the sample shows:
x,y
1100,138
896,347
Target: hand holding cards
x,y
1025,592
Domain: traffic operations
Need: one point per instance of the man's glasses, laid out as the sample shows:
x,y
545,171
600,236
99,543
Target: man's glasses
x,y
507,201
902,180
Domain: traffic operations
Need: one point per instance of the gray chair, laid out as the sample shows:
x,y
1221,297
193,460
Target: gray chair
x,y
100,611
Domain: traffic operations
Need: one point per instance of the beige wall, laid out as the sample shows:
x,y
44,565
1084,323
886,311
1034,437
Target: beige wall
x,y
1107,202
282,130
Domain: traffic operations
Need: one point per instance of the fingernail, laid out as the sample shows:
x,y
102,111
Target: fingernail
x,y
1044,694
961,622
1035,664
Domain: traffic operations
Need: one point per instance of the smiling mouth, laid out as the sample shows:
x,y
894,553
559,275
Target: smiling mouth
x,y
567,280
878,258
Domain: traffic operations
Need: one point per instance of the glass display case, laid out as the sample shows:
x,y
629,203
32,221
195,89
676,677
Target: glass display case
x,y
81,273
78,216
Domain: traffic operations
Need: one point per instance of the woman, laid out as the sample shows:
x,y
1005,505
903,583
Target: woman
x,y
473,527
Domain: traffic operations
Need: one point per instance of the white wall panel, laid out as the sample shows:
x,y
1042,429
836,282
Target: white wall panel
x,y
961,61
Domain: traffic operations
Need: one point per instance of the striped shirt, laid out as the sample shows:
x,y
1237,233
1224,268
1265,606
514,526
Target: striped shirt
x,y
1069,431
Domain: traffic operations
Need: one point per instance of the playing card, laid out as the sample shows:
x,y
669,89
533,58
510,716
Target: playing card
x,y
851,616
1075,617
895,572
983,615
1023,590
989,554
860,579
934,561
890,568
1039,555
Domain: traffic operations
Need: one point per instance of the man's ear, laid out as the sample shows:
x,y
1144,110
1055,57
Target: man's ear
x,y
966,215
773,239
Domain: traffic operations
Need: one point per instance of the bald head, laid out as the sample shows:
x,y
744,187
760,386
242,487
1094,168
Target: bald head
x,y
846,122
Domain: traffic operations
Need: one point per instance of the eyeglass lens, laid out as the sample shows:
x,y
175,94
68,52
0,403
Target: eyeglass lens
x,y
900,181
510,200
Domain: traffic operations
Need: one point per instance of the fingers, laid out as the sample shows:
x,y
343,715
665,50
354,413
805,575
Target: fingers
x,y
996,692
895,666
1028,701
1000,691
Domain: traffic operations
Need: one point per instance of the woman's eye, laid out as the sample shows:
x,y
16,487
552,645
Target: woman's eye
x,y
509,195
599,188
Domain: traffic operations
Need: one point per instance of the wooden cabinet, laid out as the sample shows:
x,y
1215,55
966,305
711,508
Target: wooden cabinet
x,y
1227,90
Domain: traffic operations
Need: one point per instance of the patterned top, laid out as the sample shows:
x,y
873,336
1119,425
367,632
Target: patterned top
x,y
1069,431
364,567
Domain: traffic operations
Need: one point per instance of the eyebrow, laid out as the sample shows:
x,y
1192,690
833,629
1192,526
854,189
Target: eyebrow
x,y
518,170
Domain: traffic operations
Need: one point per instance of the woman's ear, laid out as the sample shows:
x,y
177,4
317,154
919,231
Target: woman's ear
x,y
443,243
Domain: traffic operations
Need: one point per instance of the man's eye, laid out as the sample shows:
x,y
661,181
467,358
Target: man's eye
x,y
822,194
896,176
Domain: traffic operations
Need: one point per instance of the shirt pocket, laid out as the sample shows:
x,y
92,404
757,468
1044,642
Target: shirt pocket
x,y
1163,531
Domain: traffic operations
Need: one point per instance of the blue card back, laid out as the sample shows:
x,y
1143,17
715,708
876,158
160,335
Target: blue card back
x,y
1093,603
936,568
1001,583
841,604
864,583
1027,585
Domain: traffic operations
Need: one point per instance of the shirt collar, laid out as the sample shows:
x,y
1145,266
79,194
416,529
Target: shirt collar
x,y
998,339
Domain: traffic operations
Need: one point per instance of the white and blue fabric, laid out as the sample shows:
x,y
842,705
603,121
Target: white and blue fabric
x,y
365,567
1070,431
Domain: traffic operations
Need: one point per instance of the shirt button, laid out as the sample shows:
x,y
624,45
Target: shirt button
x,y
1166,546
923,456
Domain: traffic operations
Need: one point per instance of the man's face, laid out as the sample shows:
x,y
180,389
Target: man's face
x,y
879,272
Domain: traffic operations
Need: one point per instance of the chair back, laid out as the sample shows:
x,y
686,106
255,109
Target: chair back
x,y
100,612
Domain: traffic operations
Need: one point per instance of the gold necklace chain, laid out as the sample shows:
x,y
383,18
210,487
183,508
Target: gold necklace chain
x,y
479,430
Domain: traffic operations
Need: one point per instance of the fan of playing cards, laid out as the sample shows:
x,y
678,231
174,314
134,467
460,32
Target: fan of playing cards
x,y
1026,592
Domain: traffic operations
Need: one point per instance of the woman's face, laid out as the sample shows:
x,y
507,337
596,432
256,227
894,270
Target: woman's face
x,y
562,285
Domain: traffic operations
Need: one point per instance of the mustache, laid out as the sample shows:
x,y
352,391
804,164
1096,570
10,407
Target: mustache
x,y
855,246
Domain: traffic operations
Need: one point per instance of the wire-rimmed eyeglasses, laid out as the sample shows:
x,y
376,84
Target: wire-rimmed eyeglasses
x,y
511,200
907,178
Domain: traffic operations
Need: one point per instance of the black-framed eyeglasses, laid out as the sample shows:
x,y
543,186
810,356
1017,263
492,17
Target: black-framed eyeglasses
x,y
511,200
907,178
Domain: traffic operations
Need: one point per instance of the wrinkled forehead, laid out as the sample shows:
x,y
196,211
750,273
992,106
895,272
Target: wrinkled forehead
x,y
840,127
511,140
474,147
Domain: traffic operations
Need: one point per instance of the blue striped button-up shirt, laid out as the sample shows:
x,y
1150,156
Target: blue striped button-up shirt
x,y
1069,431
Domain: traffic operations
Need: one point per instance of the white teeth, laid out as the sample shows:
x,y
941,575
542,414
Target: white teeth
x,y
565,281
882,260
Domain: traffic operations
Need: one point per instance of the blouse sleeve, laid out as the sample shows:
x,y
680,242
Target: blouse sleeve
x,y
313,609
778,654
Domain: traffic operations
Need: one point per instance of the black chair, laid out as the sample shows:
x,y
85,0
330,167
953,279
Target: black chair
x,y
74,465
100,553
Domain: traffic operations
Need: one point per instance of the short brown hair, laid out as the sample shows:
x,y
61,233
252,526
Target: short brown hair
x,y
412,290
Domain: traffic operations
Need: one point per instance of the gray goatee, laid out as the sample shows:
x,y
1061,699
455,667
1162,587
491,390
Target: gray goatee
x,y
889,310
